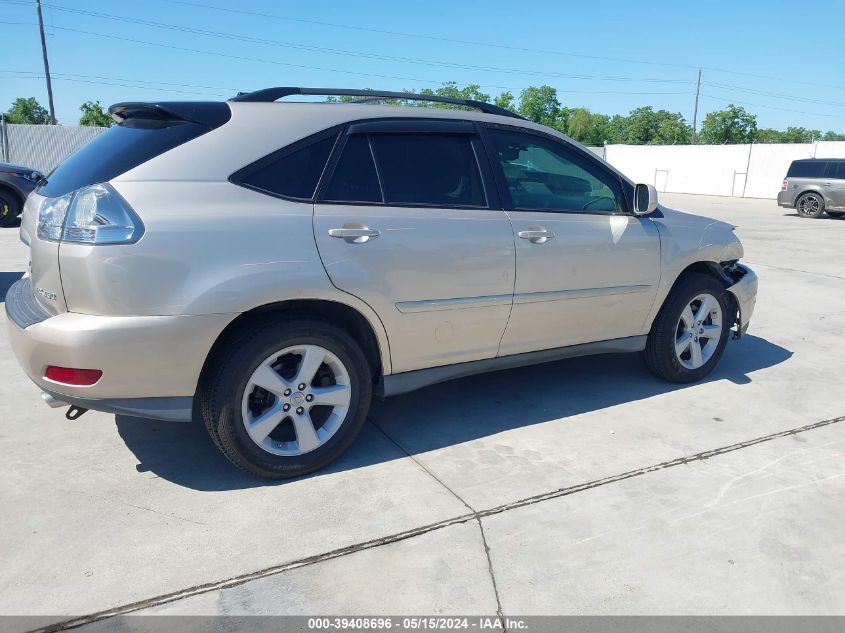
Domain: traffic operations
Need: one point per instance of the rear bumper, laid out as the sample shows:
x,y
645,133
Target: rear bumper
x,y
786,199
745,293
150,360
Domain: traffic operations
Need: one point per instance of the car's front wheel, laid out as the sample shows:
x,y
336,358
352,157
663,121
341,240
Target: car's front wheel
x,y
691,331
287,398
810,205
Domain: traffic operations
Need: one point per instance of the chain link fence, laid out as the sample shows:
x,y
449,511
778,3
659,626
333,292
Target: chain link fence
x,y
42,147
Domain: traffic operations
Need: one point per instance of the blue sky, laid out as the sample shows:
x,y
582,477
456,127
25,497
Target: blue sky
x,y
608,56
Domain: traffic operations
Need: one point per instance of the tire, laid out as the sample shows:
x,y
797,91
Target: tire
x,y
670,329
9,209
836,214
231,401
810,205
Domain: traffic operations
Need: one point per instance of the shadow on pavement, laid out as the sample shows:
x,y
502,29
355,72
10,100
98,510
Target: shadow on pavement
x,y
442,415
6,281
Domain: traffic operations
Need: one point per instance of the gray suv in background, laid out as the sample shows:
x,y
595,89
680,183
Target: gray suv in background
x,y
813,186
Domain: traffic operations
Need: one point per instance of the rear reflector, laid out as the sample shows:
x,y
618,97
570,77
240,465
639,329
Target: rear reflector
x,y
70,376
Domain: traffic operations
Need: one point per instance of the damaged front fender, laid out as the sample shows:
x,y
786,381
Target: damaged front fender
x,y
744,292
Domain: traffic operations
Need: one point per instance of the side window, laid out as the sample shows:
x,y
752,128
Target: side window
x,y
840,170
429,169
354,178
292,172
542,174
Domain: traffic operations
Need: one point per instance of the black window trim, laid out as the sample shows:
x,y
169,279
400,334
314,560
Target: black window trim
x,y
501,184
411,125
239,177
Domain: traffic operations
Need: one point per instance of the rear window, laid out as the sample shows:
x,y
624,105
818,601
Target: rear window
x,y
116,151
354,179
428,169
807,169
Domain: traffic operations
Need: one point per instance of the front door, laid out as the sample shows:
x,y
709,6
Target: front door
x,y
404,222
586,270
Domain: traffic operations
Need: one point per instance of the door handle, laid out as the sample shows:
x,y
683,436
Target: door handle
x,y
356,235
537,236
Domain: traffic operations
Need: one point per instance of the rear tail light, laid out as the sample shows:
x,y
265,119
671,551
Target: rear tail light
x,y
96,214
784,186
71,376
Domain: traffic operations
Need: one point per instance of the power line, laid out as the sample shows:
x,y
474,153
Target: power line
x,y
354,53
777,95
497,45
429,82
766,107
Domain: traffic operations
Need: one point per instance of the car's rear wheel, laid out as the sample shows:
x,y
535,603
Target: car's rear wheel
x,y
288,399
9,209
689,334
810,205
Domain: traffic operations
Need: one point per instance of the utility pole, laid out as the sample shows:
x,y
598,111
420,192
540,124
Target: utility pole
x,y
46,63
694,112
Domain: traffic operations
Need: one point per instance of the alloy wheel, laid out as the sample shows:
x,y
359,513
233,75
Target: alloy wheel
x,y
296,400
699,331
809,204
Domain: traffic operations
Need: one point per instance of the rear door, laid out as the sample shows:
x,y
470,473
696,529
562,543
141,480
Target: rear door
x,y
406,220
834,184
586,270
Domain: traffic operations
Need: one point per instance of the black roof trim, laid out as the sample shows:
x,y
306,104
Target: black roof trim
x,y
268,95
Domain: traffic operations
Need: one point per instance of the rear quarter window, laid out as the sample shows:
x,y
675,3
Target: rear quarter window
x,y
291,172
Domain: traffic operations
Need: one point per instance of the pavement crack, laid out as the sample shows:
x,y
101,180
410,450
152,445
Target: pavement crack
x,y
421,465
492,575
468,507
401,536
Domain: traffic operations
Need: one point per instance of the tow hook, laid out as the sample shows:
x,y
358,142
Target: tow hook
x,y
74,412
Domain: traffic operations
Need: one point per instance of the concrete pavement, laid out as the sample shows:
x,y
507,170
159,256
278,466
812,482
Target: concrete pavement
x,y
579,483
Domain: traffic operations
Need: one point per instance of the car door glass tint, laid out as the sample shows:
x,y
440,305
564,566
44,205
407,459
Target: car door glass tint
x,y
295,173
429,169
354,179
543,174
838,170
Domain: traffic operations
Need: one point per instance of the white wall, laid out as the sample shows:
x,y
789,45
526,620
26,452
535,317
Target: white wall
x,y
752,171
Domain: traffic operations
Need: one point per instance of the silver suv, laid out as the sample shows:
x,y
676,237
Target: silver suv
x,y
272,266
813,186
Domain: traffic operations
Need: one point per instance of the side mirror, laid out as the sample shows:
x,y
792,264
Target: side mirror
x,y
645,199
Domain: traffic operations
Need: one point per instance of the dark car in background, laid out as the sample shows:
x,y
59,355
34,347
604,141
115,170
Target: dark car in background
x,y
813,186
16,182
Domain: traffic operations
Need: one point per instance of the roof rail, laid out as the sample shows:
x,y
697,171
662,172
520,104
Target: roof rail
x,y
268,95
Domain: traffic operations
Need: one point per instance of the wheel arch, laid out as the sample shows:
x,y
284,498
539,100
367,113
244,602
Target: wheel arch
x,y
717,270
347,317
810,189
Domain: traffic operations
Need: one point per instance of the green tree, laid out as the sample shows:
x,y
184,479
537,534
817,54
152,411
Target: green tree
x,y
731,125
587,127
540,104
450,89
768,135
506,101
833,136
94,115
28,111
645,126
